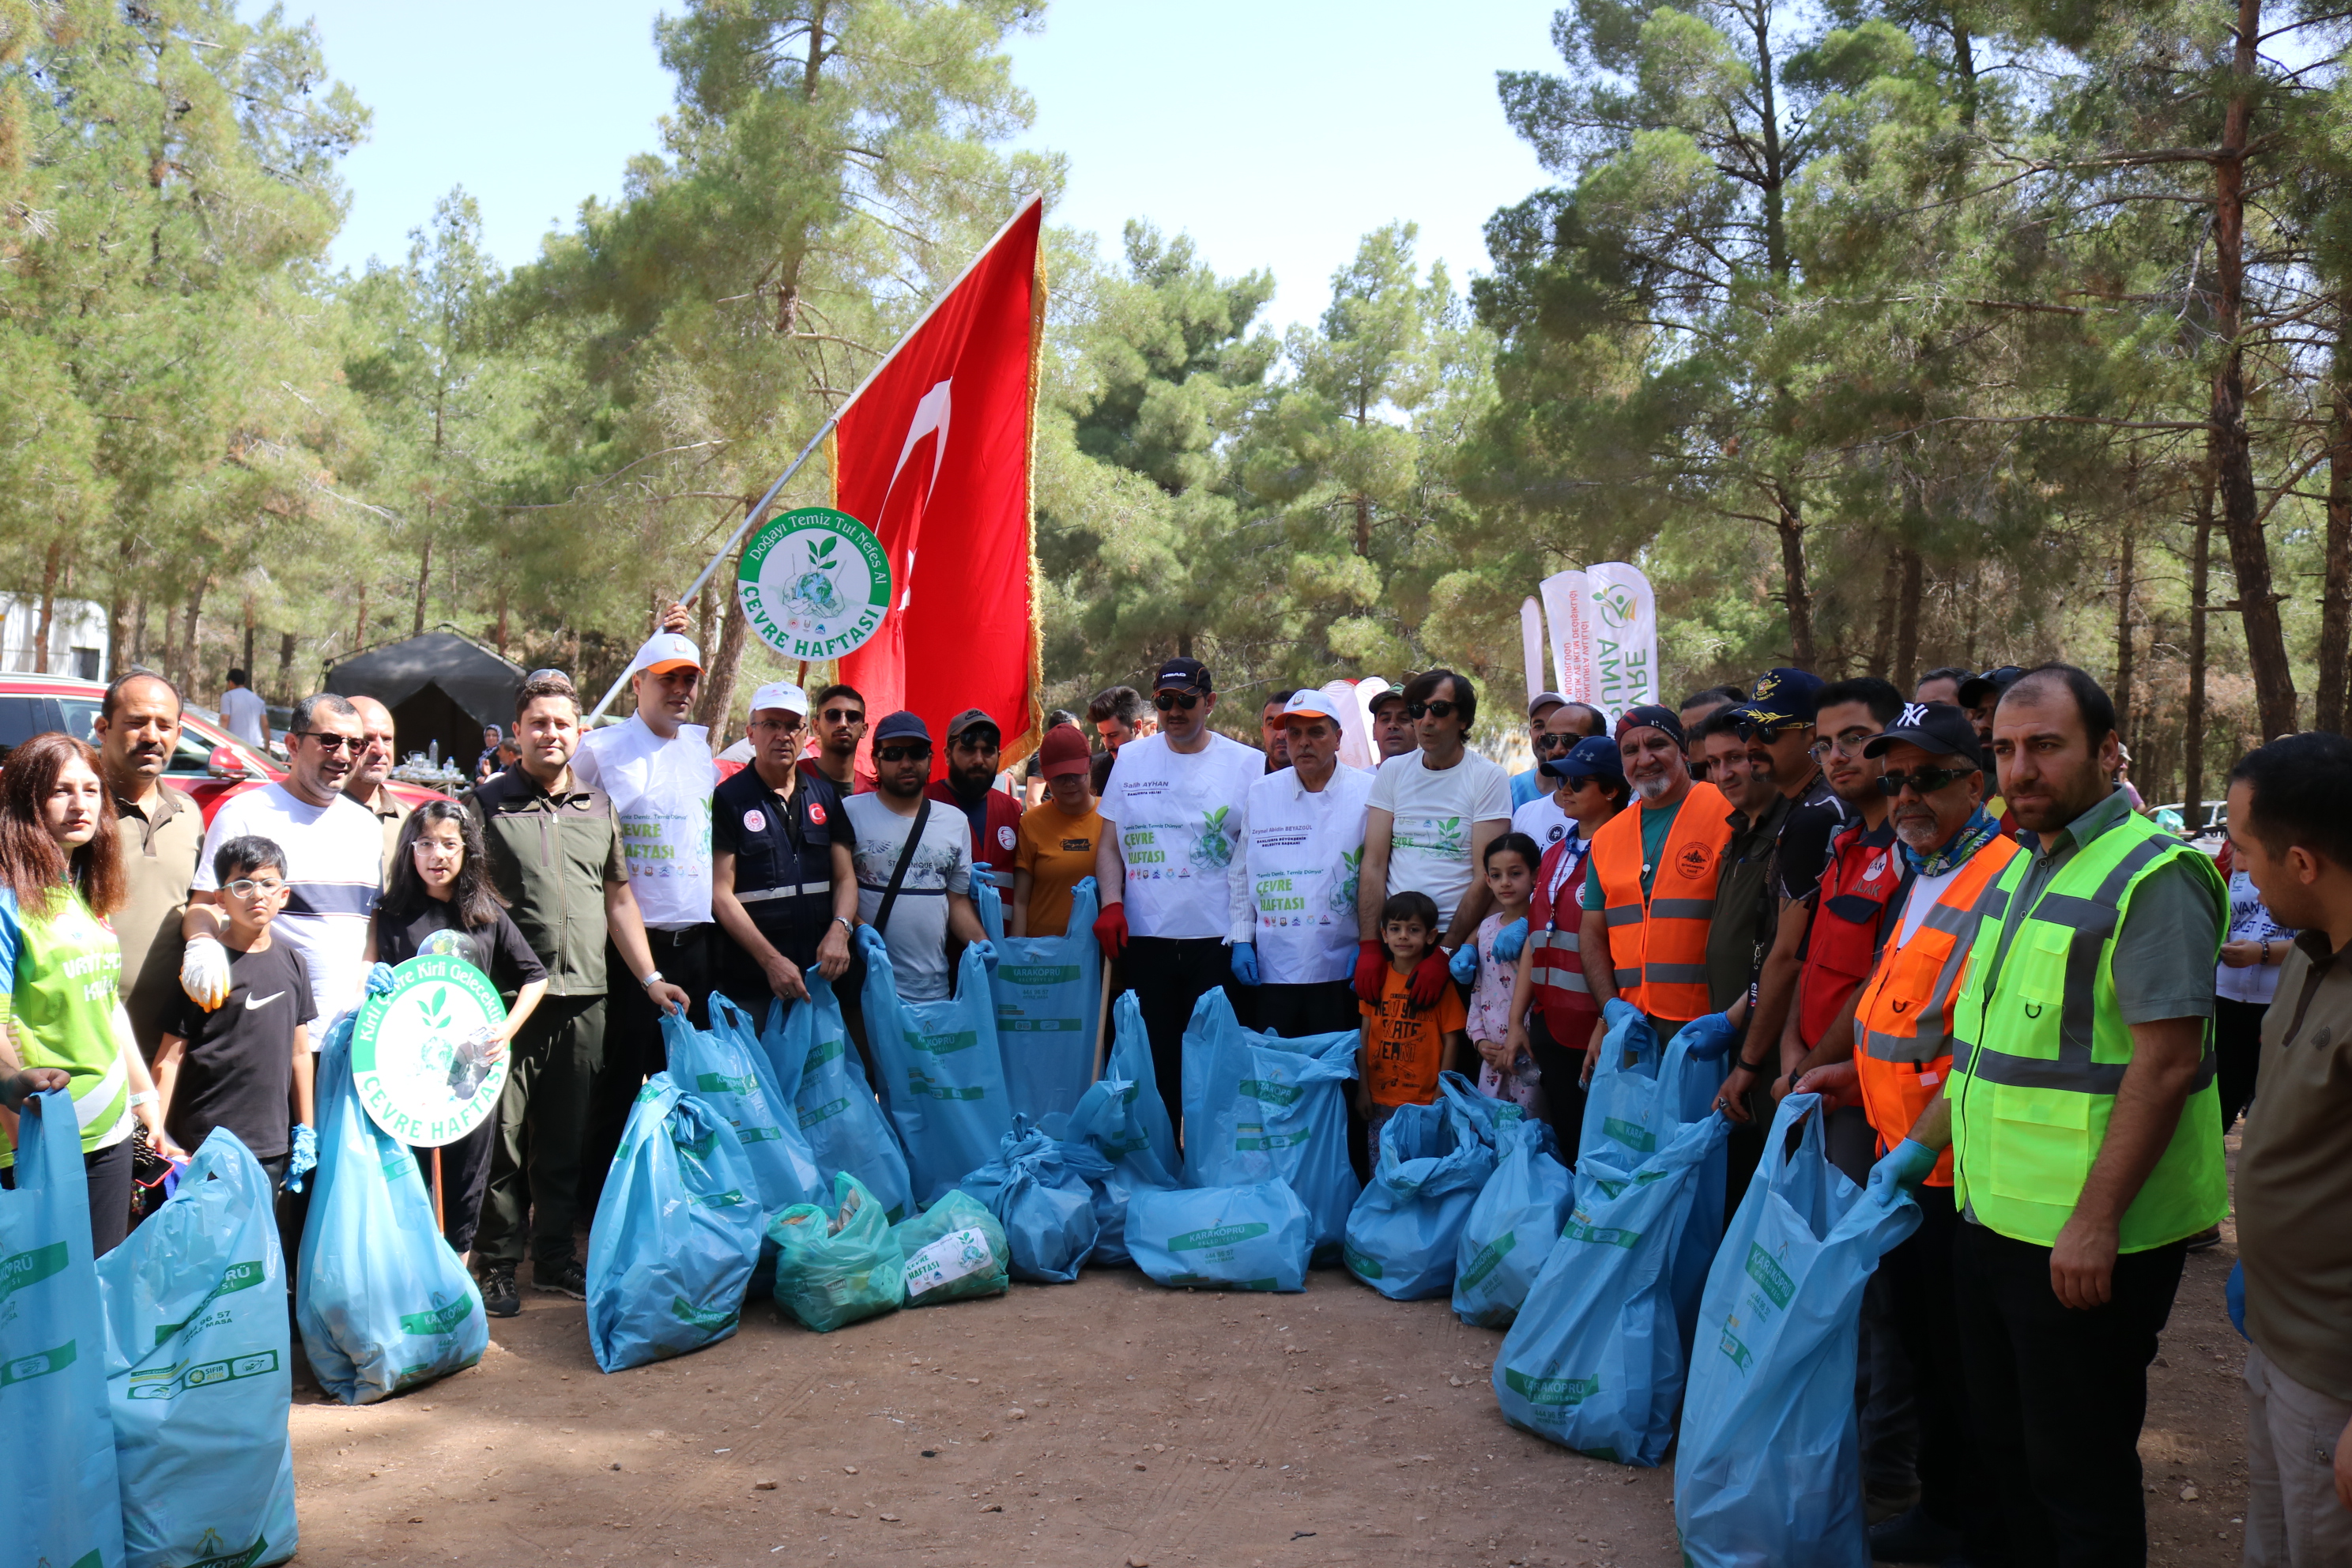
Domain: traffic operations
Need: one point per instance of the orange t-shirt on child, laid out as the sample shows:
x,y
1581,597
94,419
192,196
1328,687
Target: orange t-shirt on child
x,y
1407,1049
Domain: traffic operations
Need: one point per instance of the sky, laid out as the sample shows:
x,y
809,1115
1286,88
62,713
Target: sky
x,y
1276,134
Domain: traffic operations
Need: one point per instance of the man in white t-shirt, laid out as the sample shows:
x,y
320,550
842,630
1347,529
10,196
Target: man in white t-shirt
x,y
334,866
243,713
1303,846
1432,814
1169,866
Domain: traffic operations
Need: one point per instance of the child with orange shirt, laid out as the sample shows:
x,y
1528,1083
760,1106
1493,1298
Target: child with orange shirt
x,y
1405,1047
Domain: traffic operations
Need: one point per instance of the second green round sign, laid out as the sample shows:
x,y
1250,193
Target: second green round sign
x,y
815,584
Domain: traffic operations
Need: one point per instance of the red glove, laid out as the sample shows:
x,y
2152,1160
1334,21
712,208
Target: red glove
x,y
1110,929
1430,979
1372,961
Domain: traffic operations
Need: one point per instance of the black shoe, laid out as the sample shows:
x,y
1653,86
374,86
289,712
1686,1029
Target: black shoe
x,y
499,1297
567,1279
2206,1239
1912,1537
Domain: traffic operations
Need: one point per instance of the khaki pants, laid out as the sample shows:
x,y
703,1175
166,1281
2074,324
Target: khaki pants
x,y
2293,1517
542,1121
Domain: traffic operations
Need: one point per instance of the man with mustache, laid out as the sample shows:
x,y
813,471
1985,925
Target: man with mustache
x,y
158,833
366,784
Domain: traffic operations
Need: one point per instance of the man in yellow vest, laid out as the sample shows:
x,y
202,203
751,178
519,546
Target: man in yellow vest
x,y
2083,1125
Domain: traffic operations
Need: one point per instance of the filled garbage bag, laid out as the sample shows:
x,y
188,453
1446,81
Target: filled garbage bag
x,y
1639,1097
57,1435
1049,992
199,1370
954,1250
1046,1208
942,1077
676,1234
1511,1228
1111,1187
1120,1116
1489,1115
1595,1361
1253,1237
724,1068
382,1301
819,1072
1770,1471
1404,1231
1260,1108
837,1264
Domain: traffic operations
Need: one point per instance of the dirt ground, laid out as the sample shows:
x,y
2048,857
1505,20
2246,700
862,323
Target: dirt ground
x,y
1105,1422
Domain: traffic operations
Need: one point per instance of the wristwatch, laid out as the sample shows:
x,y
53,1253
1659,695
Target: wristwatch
x,y
848,926
650,981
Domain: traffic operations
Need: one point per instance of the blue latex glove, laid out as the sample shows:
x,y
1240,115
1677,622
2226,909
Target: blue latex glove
x,y
379,981
1245,963
304,1159
870,941
2234,1294
1510,939
1904,1166
1616,1010
982,875
1708,1038
1464,965
987,950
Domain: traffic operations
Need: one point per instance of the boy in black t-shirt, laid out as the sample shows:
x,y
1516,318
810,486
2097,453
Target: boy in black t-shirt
x,y
247,1063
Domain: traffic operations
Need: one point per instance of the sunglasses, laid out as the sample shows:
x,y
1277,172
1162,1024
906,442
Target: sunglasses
x,y
247,886
1556,742
1168,701
331,744
1751,731
1927,781
1440,709
902,753
843,716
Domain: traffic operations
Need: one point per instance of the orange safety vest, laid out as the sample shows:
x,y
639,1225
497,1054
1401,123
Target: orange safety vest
x,y
1657,940
1902,1019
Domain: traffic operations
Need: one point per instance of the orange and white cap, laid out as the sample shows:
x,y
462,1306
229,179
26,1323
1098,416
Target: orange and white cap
x,y
666,651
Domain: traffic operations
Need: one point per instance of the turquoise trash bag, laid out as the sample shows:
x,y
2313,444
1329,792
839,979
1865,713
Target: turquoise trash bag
x,y
1253,1237
942,1077
1261,1107
954,1251
1121,1116
1595,1361
724,1069
1404,1231
1049,992
383,1303
1768,1472
1511,1228
56,1434
678,1232
820,1074
1046,1208
1490,1115
199,1370
837,1265
1112,1188
1639,1097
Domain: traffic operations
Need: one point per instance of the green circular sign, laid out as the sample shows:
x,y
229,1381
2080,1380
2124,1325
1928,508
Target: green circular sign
x,y
815,584
421,1052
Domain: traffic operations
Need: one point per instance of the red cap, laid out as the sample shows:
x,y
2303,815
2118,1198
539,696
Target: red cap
x,y
1063,751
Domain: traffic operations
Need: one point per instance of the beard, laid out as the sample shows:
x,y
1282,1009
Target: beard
x,y
1653,788
1920,832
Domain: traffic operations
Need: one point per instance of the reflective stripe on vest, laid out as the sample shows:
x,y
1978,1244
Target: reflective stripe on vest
x,y
1657,942
2033,1092
1558,961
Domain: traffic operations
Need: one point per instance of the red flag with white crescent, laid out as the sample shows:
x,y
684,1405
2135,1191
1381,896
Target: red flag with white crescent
x,y
933,454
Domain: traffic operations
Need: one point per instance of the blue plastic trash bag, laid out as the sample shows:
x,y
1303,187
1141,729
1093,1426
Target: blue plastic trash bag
x,y
382,1301
724,1069
954,1251
1121,1116
1250,1238
1260,1108
1111,1187
1489,1114
943,1080
199,1370
1769,1468
1639,1099
1048,993
1046,1208
1511,1228
837,1264
1404,1233
1595,1360
57,1437
676,1234
819,1071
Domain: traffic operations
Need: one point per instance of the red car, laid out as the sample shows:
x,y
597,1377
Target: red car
x,y
208,764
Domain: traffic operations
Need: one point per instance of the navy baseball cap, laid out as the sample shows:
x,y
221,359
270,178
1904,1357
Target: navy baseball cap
x,y
1782,697
1938,727
901,726
1595,756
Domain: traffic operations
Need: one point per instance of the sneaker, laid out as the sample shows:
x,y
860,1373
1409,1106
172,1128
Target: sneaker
x,y
567,1279
499,1297
1913,1537
2206,1239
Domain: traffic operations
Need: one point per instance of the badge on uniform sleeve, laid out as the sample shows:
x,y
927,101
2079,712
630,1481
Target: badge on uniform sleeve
x,y
1877,867
816,812
755,821
1005,836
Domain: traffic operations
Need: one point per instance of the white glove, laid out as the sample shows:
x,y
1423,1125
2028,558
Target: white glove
x,y
204,972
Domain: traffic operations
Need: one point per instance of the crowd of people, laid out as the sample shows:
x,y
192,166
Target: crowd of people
x,y
2023,1000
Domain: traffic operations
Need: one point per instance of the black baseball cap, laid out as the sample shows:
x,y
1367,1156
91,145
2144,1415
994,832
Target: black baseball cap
x,y
1781,698
1183,675
971,718
901,726
1979,689
1939,727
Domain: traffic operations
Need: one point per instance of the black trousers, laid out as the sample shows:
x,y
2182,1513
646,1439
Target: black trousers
x,y
1919,1298
2057,1396
1167,974
108,1171
1562,1065
1320,1007
465,1177
2237,1052
633,1050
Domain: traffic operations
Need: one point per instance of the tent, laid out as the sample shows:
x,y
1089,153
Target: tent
x,y
439,686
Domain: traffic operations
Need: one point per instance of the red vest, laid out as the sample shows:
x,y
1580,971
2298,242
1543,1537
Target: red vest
x,y
1857,886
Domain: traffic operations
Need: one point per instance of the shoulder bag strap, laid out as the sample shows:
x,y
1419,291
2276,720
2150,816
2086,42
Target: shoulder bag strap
x,y
899,872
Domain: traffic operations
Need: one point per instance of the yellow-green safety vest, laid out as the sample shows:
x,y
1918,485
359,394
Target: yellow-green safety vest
x,y
2036,1064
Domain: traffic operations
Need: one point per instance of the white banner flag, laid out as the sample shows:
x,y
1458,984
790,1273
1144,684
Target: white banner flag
x,y
1571,614
1531,642
1624,637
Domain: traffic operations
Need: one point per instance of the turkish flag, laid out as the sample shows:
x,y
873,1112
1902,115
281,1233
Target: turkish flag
x,y
933,453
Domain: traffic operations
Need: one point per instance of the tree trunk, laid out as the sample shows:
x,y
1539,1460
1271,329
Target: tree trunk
x,y
2241,522
246,664
1363,525
2200,572
423,583
285,668
1882,631
1906,620
2123,693
502,621
359,626
189,681
2335,597
718,705
51,566
139,631
706,608
1798,590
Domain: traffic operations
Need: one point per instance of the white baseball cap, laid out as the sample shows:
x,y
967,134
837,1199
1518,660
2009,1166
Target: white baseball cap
x,y
666,651
780,694
1308,702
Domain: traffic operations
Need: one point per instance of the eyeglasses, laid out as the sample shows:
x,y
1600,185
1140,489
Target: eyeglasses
x,y
902,753
247,886
792,722
1167,701
1847,744
1556,742
331,744
1440,709
1927,781
843,716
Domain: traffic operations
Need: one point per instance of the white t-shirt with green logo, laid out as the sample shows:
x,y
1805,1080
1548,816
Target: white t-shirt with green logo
x,y
1176,818
1435,808
1303,848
